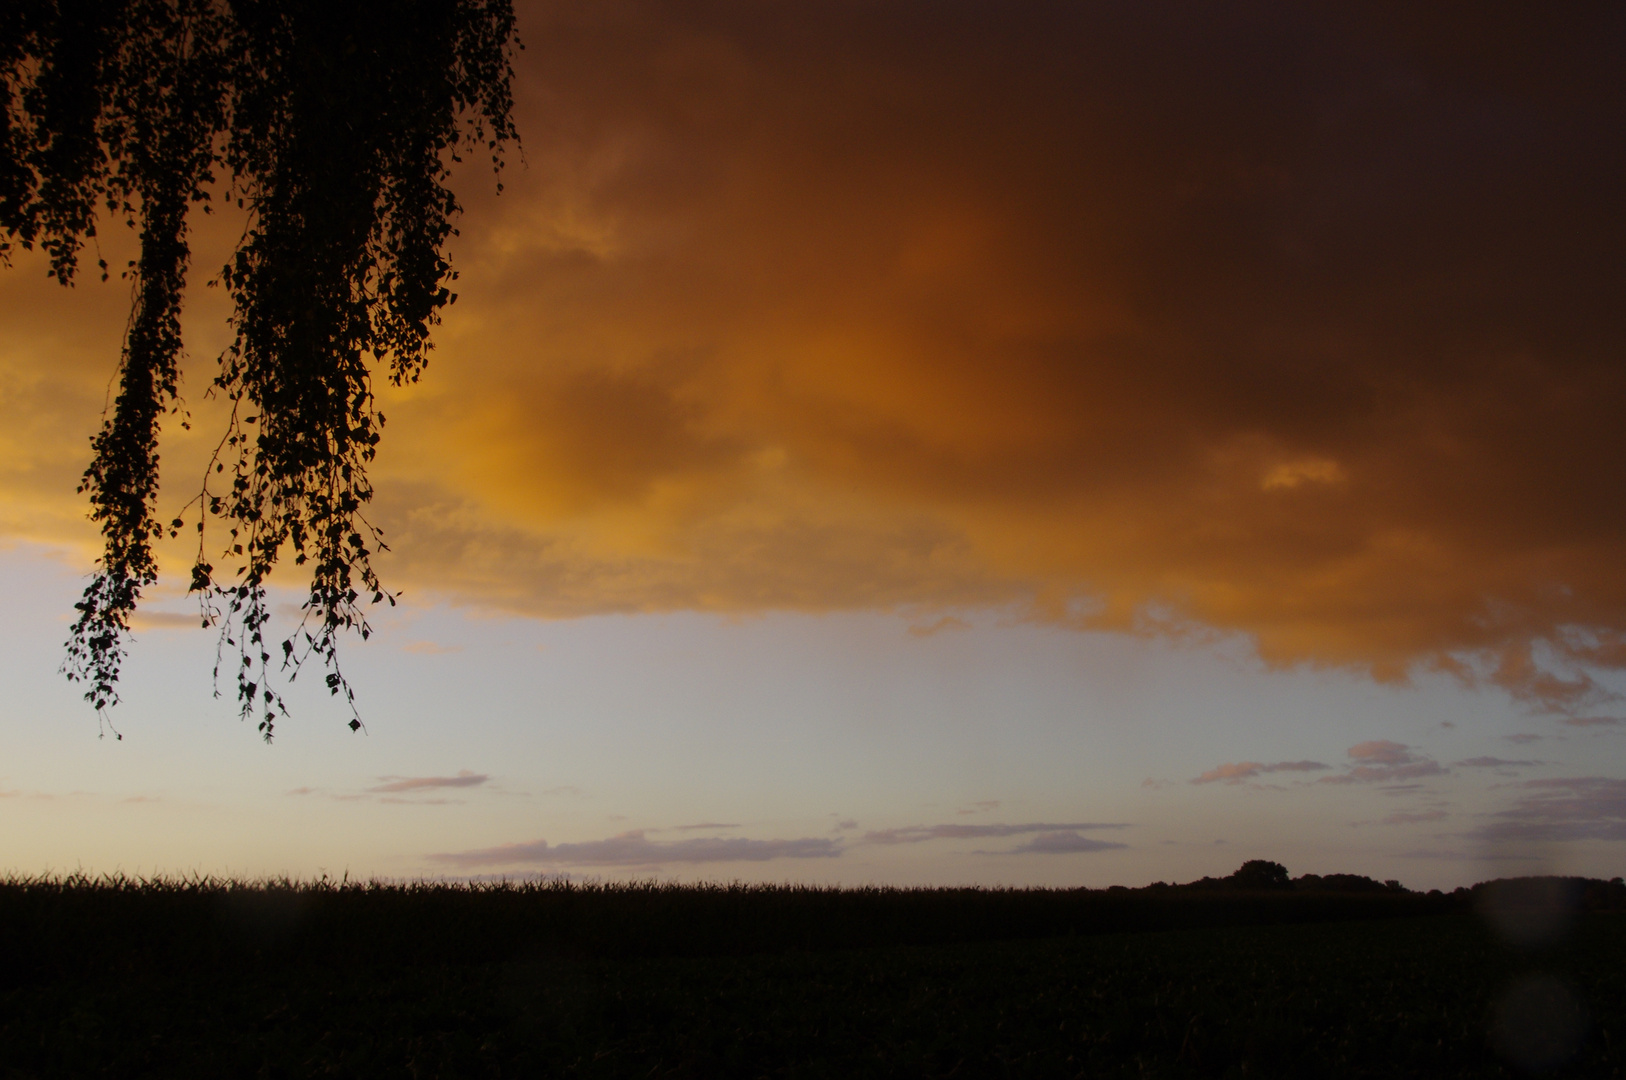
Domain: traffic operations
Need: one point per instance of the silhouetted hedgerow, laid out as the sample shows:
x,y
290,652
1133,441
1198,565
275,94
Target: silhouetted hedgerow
x,y
163,977
54,920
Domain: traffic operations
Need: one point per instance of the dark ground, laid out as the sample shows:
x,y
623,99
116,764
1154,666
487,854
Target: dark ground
x,y
208,978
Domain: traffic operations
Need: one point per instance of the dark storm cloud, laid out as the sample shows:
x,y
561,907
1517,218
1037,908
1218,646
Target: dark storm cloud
x,y
1297,320
1300,320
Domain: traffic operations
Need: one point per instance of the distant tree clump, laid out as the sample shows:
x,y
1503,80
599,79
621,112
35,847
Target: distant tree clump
x,y
1261,874
335,127
1343,883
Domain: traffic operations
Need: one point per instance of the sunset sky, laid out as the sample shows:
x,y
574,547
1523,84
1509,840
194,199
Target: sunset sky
x,y
924,441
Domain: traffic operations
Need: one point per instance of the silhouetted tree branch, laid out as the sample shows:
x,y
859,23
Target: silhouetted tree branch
x,y
335,127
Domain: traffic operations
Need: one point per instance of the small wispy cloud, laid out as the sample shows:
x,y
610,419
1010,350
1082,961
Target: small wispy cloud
x,y
167,620
396,784
1385,761
1487,762
1451,855
1592,721
947,622
635,849
1414,817
1058,843
430,648
1382,752
1558,810
1526,679
917,834
1234,772
1292,474
706,825
983,807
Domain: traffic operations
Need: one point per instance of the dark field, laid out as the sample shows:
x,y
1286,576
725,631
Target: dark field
x,y
208,978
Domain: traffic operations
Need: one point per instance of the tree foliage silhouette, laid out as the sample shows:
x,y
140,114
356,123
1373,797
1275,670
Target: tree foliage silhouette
x,y
334,126
1261,874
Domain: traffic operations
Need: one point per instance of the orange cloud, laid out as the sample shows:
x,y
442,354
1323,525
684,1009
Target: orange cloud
x,y
1292,321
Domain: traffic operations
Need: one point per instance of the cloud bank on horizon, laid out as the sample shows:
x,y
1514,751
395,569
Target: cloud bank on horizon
x,y
916,834
634,849
1302,322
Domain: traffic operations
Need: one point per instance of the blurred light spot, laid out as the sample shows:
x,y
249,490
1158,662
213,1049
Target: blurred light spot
x,y
1538,1025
